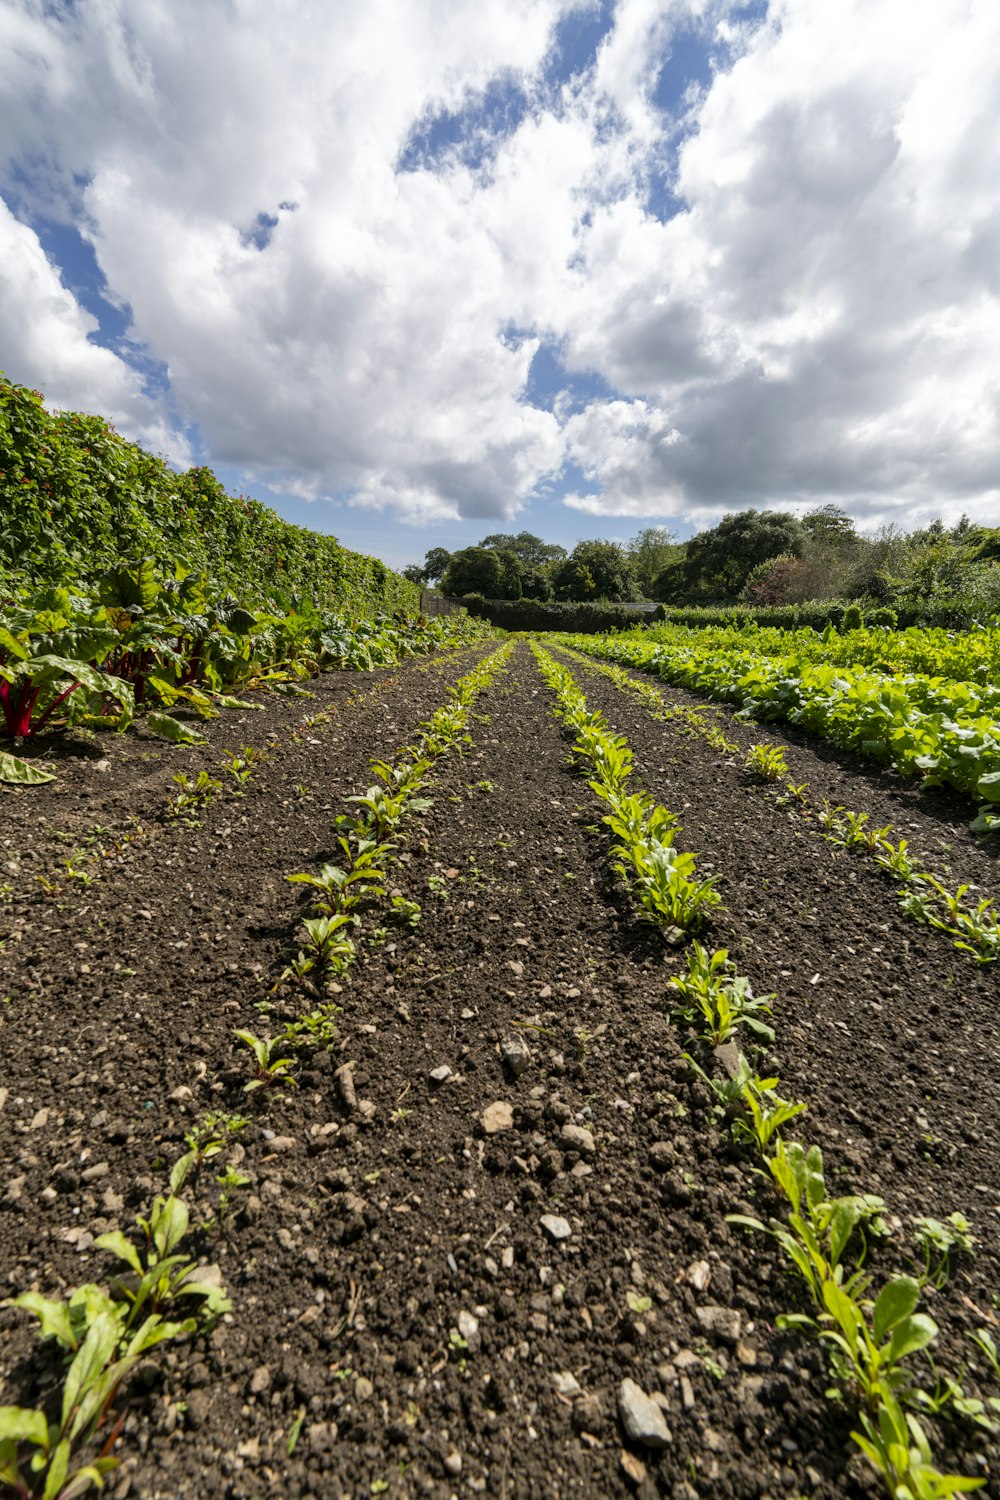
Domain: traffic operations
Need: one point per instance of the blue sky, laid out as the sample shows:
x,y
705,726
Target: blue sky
x,y
577,266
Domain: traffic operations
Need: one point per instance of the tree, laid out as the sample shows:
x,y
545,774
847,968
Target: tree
x,y
719,561
650,550
415,573
528,548
483,570
829,526
597,570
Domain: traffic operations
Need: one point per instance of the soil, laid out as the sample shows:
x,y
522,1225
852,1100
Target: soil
x,y
403,1321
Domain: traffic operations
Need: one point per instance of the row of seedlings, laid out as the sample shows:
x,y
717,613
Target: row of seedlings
x,y
869,1342
95,1337
342,893
923,896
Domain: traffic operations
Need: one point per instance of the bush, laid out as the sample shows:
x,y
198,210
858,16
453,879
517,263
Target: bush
x,y
853,618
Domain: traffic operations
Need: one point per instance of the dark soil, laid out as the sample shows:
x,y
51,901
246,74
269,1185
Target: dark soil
x,y
402,1320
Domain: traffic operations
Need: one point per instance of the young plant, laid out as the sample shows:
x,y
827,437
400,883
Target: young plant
x,y
714,990
766,761
896,1446
939,1240
270,1069
894,859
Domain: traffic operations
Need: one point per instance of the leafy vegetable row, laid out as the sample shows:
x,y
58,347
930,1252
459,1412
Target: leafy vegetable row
x,y
943,730
967,656
140,641
663,879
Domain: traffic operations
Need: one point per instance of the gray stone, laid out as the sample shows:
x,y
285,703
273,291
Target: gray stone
x,y
260,1380
555,1227
641,1418
515,1053
438,1075
723,1323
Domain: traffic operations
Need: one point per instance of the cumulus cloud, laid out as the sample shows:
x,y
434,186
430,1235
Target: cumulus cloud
x,y
342,317
45,336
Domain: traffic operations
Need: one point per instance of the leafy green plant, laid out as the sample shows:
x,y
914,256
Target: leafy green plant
x,y
896,1446
714,991
766,761
938,1240
270,1068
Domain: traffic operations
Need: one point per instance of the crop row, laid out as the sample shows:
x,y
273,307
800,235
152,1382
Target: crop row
x,y
944,731
140,642
923,896
869,1341
161,1292
963,656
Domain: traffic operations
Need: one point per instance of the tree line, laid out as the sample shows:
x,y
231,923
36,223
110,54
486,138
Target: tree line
x,y
764,557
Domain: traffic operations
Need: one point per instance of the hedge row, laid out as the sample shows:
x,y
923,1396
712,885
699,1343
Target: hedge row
x,y
76,499
534,614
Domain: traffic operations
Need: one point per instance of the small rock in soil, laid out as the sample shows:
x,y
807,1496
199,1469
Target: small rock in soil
x,y
555,1227
699,1274
578,1139
260,1380
641,1418
723,1322
453,1463
363,1389
566,1383
632,1467
515,1053
438,1075
498,1116
588,1413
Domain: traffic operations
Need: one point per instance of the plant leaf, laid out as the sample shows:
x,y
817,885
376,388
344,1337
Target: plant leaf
x,y
172,729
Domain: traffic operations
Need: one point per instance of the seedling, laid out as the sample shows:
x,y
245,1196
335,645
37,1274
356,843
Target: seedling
x,y
939,1240
270,1069
724,999
766,761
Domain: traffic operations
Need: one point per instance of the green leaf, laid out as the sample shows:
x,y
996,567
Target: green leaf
x,y
19,772
172,729
58,1469
118,1245
988,786
170,1225
92,1358
21,1424
52,1314
911,1335
895,1301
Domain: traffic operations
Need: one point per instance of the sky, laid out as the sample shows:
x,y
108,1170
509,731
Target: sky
x,y
415,271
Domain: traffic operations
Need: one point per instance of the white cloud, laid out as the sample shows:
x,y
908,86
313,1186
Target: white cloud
x,y
45,339
819,322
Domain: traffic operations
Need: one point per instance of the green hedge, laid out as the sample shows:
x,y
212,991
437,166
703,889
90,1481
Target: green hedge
x,y
535,614
75,499
949,614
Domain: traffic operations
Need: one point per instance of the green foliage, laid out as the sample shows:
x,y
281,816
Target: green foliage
x,y
714,991
719,561
597,571
76,499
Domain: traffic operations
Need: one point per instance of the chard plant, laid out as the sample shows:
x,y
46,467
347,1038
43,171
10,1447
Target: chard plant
x,y
103,1336
767,762
271,1068
715,992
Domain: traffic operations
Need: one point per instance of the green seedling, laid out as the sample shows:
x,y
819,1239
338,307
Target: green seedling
x,y
713,990
938,1240
270,1069
317,1029
406,912
895,860
327,941
896,1446
766,761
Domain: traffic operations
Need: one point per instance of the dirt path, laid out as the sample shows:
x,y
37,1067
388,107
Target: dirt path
x,y
424,1304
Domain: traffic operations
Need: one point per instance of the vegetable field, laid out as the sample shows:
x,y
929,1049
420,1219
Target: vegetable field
x,y
540,1067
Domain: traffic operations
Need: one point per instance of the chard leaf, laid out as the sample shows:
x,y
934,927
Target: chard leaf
x,y
24,1425
19,772
172,729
